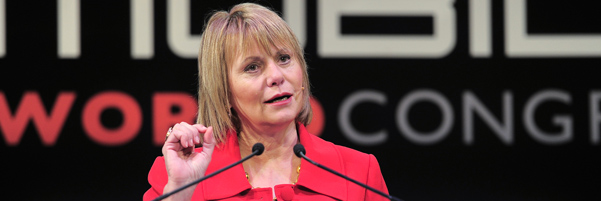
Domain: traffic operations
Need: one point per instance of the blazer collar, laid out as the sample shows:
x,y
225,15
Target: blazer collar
x,y
233,181
315,178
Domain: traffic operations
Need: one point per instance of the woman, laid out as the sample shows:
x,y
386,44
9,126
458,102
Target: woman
x,y
254,87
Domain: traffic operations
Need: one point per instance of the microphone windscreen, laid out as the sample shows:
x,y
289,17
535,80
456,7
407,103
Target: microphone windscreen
x,y
258,147
298,149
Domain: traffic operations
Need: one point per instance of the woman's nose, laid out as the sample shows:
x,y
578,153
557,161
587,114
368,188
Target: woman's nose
x,y
275,76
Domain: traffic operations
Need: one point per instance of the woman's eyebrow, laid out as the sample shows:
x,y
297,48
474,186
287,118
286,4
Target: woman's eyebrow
x,y
251,58
282,51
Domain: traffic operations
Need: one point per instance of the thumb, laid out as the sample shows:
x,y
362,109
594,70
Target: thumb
x,y
209,141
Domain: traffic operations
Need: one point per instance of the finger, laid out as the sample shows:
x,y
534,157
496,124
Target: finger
x,y
209,142
191,132
197,139
201,129
197,133
172,142
182,135
172,138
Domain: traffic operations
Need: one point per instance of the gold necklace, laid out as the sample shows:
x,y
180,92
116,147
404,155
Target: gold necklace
x,y
297,175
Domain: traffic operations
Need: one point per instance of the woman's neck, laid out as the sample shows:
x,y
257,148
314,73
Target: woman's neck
x,y
278,142
277,164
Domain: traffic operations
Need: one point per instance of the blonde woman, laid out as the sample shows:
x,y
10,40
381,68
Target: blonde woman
x,y
254,87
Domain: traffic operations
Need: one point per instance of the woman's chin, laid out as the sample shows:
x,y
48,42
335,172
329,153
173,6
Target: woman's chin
x,y
281,119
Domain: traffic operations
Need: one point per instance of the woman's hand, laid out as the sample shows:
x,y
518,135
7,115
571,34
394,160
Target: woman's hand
x,y
182,163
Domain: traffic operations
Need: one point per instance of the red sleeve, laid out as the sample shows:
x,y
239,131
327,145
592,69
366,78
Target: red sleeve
x,y
375,180
157,177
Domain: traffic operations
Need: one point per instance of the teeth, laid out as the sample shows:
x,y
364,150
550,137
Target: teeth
x,y
281,99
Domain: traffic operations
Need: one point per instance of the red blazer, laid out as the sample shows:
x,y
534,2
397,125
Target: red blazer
x,y
313,183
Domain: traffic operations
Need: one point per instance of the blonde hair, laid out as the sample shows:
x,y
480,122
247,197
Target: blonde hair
x,y
227,35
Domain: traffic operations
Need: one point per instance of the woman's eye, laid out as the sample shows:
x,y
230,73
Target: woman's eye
x,y
284,58
251,68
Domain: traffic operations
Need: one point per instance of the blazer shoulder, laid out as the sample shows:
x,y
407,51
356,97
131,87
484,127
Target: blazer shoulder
x,y
364,168
346,154
352,155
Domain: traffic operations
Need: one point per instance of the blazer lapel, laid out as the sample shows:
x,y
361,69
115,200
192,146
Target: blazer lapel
x,y
315,178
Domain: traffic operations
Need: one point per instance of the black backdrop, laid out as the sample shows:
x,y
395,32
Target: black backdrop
x,y
523,166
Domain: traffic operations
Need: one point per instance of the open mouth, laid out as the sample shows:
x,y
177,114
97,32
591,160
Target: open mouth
x,y
278,99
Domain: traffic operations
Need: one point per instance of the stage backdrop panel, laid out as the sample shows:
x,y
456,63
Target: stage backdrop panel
x,y
457,99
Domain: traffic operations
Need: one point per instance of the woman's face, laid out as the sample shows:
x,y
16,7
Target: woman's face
x,y
266,87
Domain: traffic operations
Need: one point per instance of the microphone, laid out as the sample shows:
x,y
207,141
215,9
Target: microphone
x,y
299,150
257,149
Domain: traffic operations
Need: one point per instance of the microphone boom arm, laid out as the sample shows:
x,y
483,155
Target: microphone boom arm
x,y
348,178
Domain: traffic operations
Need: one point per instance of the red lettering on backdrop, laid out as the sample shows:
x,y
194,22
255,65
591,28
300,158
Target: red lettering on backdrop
x,y
319,119
31,107
129,108
165,118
